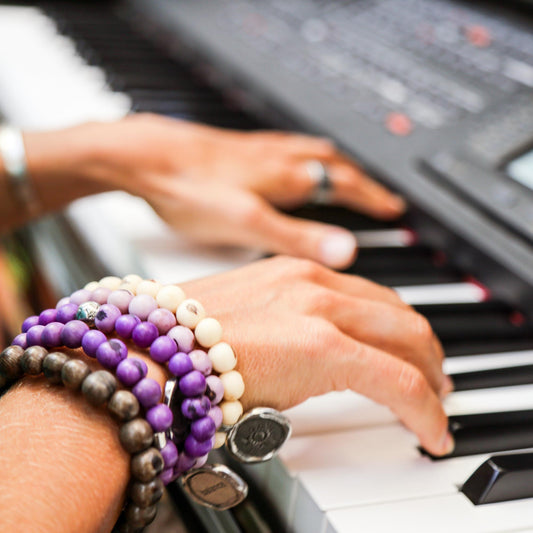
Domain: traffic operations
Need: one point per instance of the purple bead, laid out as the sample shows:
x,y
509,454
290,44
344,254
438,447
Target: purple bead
x,y
148,392
180,364
110,353
125,325
192,384
66,313
34,334
195,448
100,295
121,298
215,389
51,335
29,322
164,319
91,341
203,428
142,305
106,317
80,297
162,349
216,414
131,371
144,334
184,338
64,301
167,476
47,316
200,461
185,462
201,362
73,333
193,408
159,417
170,454
20,340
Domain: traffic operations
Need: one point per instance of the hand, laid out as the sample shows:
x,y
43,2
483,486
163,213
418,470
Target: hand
x,y
300,329
220,186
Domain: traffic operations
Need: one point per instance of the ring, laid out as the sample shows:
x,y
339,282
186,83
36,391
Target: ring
x,y
322,192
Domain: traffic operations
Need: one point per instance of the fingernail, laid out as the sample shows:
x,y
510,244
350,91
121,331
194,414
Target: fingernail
x,y
447,386
397,203
448,444
337,249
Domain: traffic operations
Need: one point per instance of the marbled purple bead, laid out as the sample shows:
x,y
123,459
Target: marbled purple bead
x,y
125,325
216,414
203,428
51,335
106,317
34,335
20,340
80,296
180,364
159,417
195,448
144,334
121,298
64,301
170,454
185,462
66,313
162,349
164,319
29,322
100,295
47,316
131,371
201,362
91,341
167,476
193,408
215,389
73,333
192,384
184,338
148,392
110,353
200,461
142,305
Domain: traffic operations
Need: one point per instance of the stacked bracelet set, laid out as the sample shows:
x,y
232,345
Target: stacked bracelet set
x,y
201,400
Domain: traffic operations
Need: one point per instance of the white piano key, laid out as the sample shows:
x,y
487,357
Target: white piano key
x,y
388,238
479,362
442,293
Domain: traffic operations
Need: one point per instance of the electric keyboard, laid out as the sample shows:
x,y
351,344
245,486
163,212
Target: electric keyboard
x,y
349,466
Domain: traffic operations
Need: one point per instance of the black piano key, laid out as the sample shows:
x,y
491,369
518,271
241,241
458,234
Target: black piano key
x,y
403,279
501,478
481,346
494,377
410,259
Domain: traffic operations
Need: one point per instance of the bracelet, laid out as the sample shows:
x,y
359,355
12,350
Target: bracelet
x,y
13,155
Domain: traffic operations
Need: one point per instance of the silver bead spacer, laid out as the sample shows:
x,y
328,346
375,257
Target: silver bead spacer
x,y
87,312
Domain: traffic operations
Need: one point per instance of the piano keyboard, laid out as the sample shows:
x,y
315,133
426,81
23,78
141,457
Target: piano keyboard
x,y
350,466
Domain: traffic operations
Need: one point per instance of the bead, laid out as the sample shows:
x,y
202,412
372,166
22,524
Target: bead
x,y
203,428
130,371
125,325
180,364
192,384
208,332
52,366
163,319
91,341
110,282
64,301
106,317
231,412
215,389
149,287
222,357
139,517
184,338
73,333
169,297
233,385
74,373
193,408
162,349
66,313
195,448
189,313
100,295
166,476
10,362
80,296
146,494
220,439
136,435
127,287
33,336
185,462
32,359
123,405
201,362
144,334
142,305
29,322
51,334
148,392
121,299
170,454
87,312
132,279
159,417
216,414
99,386
20,340
146,465
47,316
91,286
111,353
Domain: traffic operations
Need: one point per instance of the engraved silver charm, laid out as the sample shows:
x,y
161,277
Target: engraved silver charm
x,y
215,486
87,312
258,435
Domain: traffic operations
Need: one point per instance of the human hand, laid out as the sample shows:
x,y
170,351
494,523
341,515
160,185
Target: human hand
x,y
300,330
222,187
